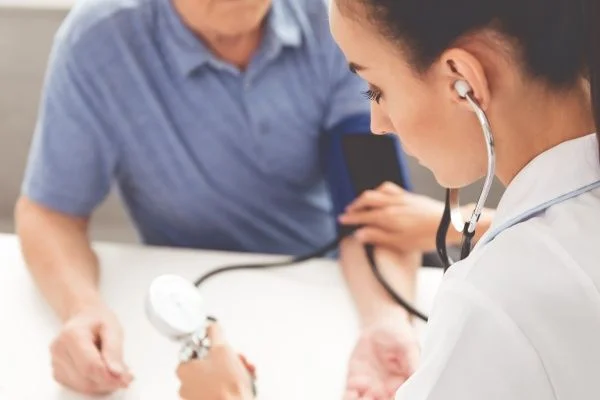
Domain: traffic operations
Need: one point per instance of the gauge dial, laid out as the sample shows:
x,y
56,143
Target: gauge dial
x,y
175,307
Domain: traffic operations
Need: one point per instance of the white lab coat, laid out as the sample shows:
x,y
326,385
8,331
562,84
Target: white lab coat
x,y
520,318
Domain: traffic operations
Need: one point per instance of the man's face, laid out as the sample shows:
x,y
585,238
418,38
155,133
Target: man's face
x,y
227,17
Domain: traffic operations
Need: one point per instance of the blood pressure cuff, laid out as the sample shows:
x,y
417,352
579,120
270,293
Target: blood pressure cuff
x,y
355,160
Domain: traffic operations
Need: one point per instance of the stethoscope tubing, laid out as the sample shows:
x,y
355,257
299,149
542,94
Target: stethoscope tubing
x,y
452,213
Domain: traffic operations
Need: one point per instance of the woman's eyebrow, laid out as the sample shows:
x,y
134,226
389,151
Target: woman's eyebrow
x,y
354,67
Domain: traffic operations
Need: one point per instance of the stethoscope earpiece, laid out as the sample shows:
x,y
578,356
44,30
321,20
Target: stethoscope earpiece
x,y
463,88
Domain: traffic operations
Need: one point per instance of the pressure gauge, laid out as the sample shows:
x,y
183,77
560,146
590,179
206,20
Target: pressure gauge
x,y
176,309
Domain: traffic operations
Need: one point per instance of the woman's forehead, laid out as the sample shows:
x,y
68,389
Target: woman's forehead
x,y
354,35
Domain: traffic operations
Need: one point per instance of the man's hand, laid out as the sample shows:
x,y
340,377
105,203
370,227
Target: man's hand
x,y
395,219
221,375
87,354
385,356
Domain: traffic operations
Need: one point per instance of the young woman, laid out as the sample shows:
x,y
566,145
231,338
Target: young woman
x,y
520,317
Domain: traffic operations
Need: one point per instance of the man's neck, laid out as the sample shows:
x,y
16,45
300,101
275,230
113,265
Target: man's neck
x,y
236,49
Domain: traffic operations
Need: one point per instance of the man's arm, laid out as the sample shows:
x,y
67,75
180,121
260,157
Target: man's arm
x,y
387,348
59,256
70,169
72,162
374,304
87,354
387,351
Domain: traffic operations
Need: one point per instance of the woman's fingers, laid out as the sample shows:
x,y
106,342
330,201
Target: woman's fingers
x,y
375,236
386,194
221,374
373,217
216,335
372,199
391,189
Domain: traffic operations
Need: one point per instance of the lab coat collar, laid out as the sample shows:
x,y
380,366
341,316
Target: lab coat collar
x,y
562,169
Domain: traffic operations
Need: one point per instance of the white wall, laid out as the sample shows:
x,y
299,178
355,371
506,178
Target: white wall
x,y
38,4
25,39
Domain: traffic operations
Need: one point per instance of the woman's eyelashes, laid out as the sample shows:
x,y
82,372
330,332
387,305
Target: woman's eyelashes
x,y
373,95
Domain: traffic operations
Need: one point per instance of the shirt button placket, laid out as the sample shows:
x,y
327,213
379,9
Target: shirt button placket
x,y
255,124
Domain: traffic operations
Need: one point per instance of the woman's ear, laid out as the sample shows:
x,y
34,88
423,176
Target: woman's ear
x,y
459,64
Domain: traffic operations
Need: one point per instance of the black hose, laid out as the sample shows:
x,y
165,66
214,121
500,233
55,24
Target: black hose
x,y
295,260
370,250
442,233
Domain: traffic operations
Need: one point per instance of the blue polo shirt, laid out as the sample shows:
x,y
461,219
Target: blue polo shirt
x,y
203,155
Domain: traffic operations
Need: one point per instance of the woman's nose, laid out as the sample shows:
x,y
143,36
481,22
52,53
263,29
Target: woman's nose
x,y
380,122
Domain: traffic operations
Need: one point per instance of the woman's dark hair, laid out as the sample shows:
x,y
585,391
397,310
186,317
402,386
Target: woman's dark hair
x,y
559,40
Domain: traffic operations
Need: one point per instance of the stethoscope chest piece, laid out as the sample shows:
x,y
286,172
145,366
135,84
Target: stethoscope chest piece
x,y
177,310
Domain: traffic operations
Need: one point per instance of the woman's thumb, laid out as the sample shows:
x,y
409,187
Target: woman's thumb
x,y
215,334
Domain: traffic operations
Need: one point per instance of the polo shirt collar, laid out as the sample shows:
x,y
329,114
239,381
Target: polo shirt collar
x,y
189,52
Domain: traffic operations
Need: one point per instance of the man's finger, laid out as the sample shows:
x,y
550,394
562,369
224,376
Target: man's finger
x,y
65,369
86,357
376,393
393,386
111,350
66,374
358,386
351,395
68,379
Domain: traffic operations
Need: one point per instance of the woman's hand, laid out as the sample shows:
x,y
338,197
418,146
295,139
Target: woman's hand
x,y
221,375
403,221
394,218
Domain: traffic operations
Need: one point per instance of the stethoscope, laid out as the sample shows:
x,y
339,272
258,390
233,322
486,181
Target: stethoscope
x,y
175,307
452,213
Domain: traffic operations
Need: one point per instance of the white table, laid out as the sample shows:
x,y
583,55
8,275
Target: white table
x,y
297,324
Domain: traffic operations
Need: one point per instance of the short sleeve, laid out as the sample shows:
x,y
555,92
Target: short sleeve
x,y
346,99
72,160
474,351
